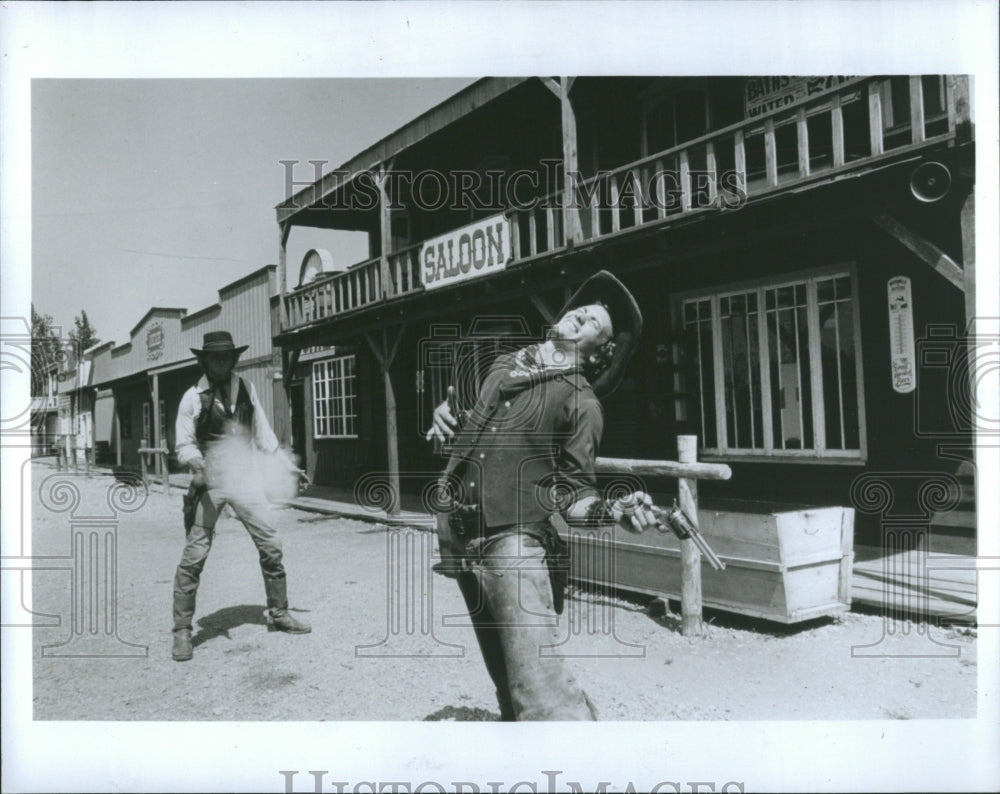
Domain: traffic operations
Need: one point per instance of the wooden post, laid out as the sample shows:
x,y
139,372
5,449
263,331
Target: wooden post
x,y
156,422
968,220
385,355
687,500
837,130
770,153
142,459
385,226
390,426
166,470
572,231
118,436
875,123
283,231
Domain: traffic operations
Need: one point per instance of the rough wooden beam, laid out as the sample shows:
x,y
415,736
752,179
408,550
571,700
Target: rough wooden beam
x,y
669,468
960,107
968,217
391,432
385,222
376,350
543,308
284,229
924,249
572,231
552,85
291,362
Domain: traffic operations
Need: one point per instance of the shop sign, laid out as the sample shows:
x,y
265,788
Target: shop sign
x,y
901,348
763,94
476,250
154,341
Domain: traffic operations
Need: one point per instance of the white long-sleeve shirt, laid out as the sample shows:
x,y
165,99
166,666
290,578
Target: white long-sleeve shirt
x,y
185,441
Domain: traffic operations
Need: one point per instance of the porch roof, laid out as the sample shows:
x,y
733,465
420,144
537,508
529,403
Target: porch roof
x,y
423,126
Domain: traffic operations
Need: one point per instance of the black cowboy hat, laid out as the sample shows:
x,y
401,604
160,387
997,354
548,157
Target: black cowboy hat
x,y
626,321
218,342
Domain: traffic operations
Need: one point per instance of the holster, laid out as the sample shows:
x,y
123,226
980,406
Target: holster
x,y
191,499
557,558
455,529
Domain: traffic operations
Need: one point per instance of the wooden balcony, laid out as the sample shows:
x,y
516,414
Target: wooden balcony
x,y
857,126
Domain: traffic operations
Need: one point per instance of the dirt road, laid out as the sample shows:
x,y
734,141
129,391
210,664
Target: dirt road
x,y
365,661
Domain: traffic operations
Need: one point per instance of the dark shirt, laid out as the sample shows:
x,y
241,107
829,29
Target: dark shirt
x,y
528,447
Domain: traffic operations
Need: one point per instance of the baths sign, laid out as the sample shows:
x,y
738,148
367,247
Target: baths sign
x,y
473,251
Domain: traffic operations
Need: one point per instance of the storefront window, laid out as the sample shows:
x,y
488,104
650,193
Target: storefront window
x,y
334,394
775,369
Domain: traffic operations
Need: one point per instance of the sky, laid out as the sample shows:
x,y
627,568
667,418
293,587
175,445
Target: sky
x,y
157,192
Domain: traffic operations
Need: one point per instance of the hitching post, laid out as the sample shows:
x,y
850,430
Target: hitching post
x,y
687,500
688,471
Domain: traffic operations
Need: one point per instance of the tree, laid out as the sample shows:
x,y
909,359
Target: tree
x,y
83,336
45,349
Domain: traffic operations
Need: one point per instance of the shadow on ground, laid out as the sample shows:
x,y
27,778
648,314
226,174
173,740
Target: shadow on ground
x,y
222,621
462,714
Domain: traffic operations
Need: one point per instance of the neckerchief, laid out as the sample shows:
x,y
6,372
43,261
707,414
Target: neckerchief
x,y
527,369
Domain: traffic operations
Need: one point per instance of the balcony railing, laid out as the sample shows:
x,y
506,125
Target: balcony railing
x,y
845,129
335,294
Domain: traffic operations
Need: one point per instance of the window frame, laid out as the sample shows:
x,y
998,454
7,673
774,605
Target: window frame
x,y
818,453
333,418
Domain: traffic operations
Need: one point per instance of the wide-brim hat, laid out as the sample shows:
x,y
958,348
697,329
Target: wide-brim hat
x,y
626,321
218,342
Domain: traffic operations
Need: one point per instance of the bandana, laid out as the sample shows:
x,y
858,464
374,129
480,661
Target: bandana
x,y
528,369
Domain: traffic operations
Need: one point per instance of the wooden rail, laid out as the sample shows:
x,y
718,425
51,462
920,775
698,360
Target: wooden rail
x,y
404,271
159,455
335,294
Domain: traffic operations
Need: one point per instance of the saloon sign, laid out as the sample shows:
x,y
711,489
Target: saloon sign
x,y
470,252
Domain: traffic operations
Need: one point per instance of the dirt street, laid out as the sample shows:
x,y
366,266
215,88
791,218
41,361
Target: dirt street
x,y
377,654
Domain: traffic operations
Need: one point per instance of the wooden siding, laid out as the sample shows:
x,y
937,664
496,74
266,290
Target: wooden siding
x,y
243,310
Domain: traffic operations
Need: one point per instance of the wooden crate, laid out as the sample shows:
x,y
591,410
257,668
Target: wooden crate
x,y
783,563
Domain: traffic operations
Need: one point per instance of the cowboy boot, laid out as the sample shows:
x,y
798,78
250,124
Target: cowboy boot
x,y
278,618
183,612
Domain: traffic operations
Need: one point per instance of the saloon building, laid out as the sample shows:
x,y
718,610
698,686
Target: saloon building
x,y
801,248
137,386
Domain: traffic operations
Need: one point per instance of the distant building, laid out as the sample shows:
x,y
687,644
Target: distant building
x,y
45,410
137,386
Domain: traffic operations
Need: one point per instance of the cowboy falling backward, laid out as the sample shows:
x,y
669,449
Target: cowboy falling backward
x,y
534,432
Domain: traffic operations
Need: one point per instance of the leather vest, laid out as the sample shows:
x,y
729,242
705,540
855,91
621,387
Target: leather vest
x,y
215,418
